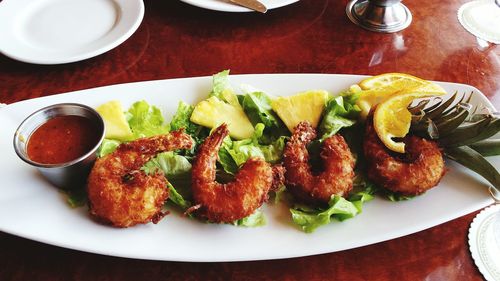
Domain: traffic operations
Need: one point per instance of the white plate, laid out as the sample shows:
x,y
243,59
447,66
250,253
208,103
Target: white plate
x,y
63,31
484,242
226,6
32,208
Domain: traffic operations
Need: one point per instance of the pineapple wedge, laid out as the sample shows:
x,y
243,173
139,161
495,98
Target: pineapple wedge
x,y
212,112
114,119
305,106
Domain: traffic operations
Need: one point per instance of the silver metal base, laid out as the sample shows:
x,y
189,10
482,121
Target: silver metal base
x,y
379,15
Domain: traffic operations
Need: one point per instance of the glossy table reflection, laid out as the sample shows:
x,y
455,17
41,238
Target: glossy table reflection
x,y
178,40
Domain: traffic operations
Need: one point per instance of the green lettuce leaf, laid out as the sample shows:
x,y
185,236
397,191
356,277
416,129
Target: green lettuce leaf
x,y
220,82
340,112
396,197
146,120
221,89
107,146
281,194
177,169
171,164
76,197
226,161
234,153
362,182
181,119
339,208
363,190
253,220
257,106
309,219
176,198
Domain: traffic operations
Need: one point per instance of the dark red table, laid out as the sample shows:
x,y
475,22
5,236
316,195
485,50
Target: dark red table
x,y
310,36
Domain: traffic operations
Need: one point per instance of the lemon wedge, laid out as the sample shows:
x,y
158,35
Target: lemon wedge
x,y
378,88
392,119
391,79
392,93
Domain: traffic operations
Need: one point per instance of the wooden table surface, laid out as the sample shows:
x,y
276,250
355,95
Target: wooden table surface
x,y
310,36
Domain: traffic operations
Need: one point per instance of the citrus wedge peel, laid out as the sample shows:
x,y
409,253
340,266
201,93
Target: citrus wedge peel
x,y
391,94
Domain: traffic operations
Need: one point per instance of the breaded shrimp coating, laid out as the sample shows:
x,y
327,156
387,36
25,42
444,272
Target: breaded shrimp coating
x,y
412,173
120,193
228,202
336,175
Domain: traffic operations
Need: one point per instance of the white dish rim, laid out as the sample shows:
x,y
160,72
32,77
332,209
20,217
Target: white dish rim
x,y
131,14
380,237
216,5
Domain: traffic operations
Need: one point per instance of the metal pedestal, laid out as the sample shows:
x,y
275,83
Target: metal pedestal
x,y
379,15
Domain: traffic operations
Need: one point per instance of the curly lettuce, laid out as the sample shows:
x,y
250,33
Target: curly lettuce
x,y
181,120
257,106
339,208
146,120
234,153
340,112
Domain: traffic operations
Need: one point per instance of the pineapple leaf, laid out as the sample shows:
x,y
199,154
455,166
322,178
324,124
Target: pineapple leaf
x,y
419,111
438,110
474,161
417,116
487,147
437,102
425,129
478,117
432,130
461,101
420,106
475,132
448,123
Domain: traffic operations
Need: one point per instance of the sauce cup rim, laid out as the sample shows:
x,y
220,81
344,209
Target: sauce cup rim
x,y
24,156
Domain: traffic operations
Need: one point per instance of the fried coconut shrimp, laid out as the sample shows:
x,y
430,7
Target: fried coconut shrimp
x,y
225,203
120,193
337,174
412,173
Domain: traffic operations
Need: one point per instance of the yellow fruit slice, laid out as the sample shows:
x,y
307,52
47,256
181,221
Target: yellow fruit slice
x,y
305,106
114,119
212,112
388,79
378,88
392,119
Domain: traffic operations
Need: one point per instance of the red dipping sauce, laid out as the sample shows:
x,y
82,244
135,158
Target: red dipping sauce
x,y
62,139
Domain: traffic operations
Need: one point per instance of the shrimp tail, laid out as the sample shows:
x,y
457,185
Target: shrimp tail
x,y
151,146
207,156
